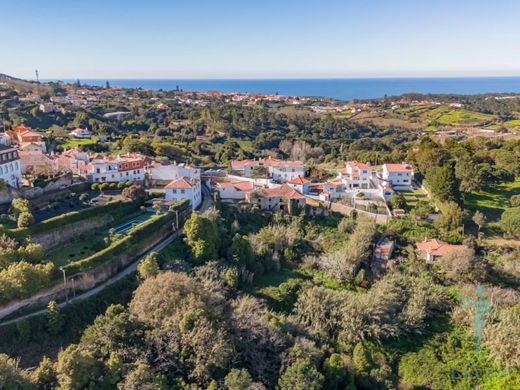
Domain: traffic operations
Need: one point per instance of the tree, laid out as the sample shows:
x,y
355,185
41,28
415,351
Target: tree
x,y
479,219
10,375
141,377
201,235
241,251
503,337
450,218
45,376
77,369
25,219
301,375
55,319
510,222
337,375
443,184
459,265
238,380
135,192
149,266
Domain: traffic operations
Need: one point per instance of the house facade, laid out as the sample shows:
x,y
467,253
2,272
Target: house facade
x,y
10,167
165,173
278,170
400,176
356,176
233,189
81,133
281,198
103,169
184,188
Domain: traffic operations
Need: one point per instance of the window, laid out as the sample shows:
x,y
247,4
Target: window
x,y
174,191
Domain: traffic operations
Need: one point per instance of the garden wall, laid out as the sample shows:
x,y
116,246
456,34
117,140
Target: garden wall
x,y
60,229
90,272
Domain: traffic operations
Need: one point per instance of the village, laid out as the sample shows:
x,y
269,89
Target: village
x,y
269,184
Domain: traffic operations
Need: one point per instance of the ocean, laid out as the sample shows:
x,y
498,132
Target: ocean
x,y
343,89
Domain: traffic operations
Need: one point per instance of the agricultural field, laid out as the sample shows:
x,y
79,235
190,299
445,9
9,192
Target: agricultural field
x,y
493,201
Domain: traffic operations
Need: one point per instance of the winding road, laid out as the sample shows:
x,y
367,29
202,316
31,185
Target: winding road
x,y
206,203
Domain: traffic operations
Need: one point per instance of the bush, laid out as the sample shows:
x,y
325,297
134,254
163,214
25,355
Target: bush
x,y
510,221
22,279
515,201
397,202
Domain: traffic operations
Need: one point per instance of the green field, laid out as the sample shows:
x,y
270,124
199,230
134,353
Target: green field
x,y
73,142
493,201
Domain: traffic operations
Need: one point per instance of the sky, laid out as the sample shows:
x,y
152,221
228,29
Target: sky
x,y
68,39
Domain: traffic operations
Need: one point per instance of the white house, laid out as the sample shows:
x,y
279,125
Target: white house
x,y
400,176
245,167
355,175
81,133
10,167
300,184
130,167
184,188
277,170
235,189
159,172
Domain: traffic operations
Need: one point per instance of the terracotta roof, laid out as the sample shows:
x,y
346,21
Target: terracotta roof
x,y
437,247
181,183
238,185
334,183
359,165
298,180
242,163
398,167
283,191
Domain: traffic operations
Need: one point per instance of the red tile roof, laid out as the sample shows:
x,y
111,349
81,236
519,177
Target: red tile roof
x,y
182,183
398,167
298,181
437,247
359,165
283,191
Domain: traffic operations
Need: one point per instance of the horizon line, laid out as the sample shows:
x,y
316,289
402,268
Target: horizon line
x,y
278,78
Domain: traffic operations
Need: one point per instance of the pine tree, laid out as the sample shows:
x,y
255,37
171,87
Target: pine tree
x,y
55,318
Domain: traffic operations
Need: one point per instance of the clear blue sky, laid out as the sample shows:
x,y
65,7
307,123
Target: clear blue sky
x,y
258,38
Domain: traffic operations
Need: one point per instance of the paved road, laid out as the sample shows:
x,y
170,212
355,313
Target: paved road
x,y
207,202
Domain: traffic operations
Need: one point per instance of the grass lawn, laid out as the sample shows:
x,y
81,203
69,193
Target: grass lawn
x,y
413,196
73,142
493,201
77,249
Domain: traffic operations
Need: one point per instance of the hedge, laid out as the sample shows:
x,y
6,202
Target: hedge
x,y
133,236
117,209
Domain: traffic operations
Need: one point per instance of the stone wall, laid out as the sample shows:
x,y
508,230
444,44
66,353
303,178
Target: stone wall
x,y
55,237
87,280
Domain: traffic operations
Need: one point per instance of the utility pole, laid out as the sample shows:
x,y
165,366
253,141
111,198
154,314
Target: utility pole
x,y
65,284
